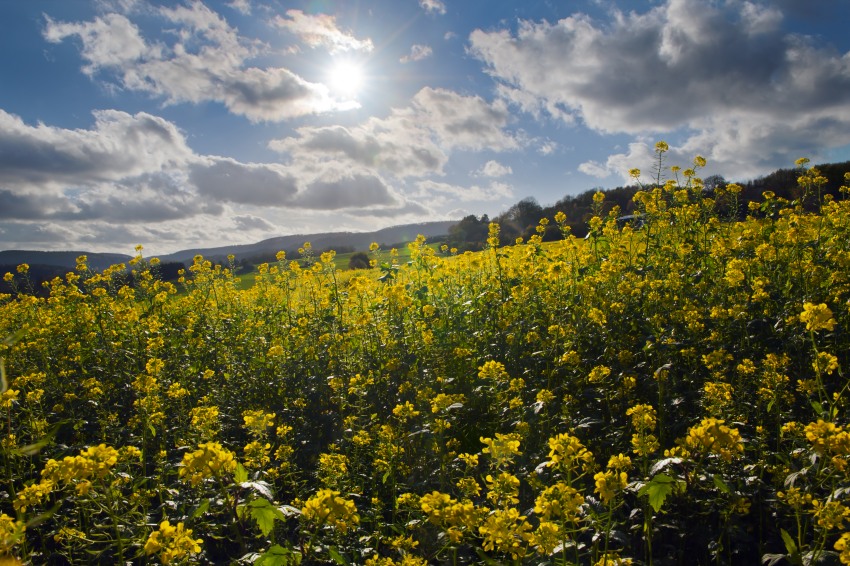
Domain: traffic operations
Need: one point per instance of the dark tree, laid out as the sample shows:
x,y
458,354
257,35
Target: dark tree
x,y
359,261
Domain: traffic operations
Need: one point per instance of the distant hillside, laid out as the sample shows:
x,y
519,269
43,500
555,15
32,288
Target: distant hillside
x,y
332,240
66,260
329,240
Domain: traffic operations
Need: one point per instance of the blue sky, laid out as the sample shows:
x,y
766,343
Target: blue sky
x,y
203,123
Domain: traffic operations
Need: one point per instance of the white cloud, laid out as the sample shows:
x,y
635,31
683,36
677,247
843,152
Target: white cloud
x,y
348,191
748,96
465,122
494,169
205,62
137,174
761,19
111,41
547,147
594,169
495,191
241,6
321,30
45,158
252,223
433,6
417,53
414,141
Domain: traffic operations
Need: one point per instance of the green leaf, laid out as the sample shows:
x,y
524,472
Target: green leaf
x,y
789,542
241,474
720,484
278,556
657,490
265,514
337,557
202,508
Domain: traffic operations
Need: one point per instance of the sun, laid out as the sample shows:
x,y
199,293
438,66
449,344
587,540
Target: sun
x,y
345,78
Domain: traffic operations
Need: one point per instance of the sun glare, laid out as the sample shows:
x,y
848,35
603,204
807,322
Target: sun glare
x,y
345,78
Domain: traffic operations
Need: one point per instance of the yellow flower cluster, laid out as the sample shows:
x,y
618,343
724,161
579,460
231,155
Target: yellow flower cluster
x,y
503,489
326,507
502,449
842,545
258,421
95,462
817,317
567,453
172,543
210,460
506,531
612,481
828,437
712,436
559,501
11,533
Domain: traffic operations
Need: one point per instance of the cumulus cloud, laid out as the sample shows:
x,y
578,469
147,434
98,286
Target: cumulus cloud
x,y
433,6
43,158
494,169
726,73
594,169
417,53
241,6
414,141
205,62
354,191
227,180
321,30
465,122
136,172
252,223
495,191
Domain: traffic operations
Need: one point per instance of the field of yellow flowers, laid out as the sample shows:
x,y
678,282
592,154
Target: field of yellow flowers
x,y
669,394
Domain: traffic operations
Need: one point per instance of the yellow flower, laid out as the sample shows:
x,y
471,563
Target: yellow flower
x,y
619,462
825,363
405,411
503,489
643,417
506,531
257,421
172,543
326,507
568,453
612,559
559,501
209,460
830,515
598,374
713,436
547,537
842,545
817,317
609,483
32,495
11,533
503,449
8,397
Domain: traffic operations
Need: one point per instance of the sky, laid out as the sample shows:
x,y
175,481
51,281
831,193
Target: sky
x,y
199,123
